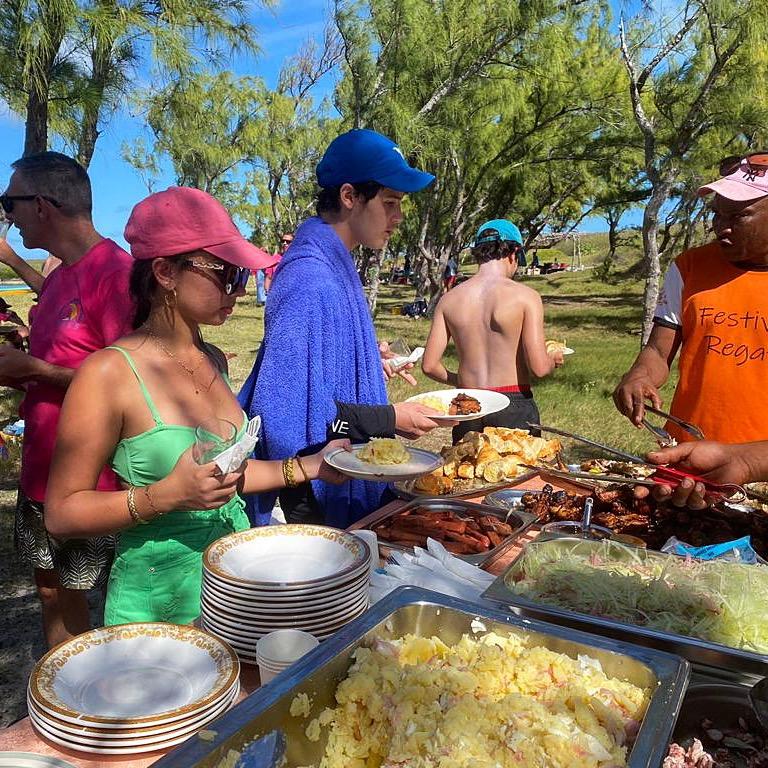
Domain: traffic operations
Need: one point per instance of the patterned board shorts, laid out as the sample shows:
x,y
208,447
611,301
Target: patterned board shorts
x,y
81,563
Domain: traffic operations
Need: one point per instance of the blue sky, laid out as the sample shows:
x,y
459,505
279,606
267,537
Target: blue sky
x,y
117,186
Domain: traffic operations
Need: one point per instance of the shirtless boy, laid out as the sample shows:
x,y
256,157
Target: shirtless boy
x,y
497,326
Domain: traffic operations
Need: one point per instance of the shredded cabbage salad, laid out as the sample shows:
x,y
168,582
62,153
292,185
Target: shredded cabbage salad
x,y
720,602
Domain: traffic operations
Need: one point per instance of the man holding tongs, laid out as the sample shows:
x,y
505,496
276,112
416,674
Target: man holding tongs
x,y
713,309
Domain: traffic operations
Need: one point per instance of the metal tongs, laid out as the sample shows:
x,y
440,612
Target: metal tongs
x,y
662,436
662,475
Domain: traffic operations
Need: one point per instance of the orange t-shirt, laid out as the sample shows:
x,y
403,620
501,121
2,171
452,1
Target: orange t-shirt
x,y
723,360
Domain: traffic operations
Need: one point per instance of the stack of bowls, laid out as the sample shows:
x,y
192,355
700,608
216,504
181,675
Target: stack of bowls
x,y
281,648
132,688
307,577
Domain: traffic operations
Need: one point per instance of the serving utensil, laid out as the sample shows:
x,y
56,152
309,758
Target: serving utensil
x,y
662,474
691,429
266,752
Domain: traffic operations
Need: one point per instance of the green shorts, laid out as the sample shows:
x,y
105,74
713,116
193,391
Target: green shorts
x,y
157,574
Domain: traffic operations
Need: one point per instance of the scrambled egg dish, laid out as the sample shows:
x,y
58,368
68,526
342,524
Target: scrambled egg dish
x,y
491,702
384,450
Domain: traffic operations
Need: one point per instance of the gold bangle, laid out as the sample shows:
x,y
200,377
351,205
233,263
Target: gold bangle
x,y
135,516
290,480
155,511
301,467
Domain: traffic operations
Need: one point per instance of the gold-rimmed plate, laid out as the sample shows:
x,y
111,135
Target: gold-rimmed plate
x,y
133,674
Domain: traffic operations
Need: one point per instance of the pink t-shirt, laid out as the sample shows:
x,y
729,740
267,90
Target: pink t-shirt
x,y
82,308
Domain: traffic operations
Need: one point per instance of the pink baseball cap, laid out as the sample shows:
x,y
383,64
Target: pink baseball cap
x,y
745,183
184,219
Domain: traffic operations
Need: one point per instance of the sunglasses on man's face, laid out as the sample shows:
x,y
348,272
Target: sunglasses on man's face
x,y
230,277
754,164
7,201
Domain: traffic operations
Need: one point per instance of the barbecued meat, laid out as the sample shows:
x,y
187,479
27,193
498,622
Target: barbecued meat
x,y
616,508
463,405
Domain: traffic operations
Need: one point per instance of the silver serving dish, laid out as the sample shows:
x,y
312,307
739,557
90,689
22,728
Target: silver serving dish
x,y
519,521
705,655
507,498
406,488
421,612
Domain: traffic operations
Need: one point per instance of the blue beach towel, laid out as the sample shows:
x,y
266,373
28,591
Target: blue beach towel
x,y
319,348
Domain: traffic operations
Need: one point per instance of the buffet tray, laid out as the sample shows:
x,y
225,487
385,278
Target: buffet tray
x,y
705,656
425,613
405,488
518,519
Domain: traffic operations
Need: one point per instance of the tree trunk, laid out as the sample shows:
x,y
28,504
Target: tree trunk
x,y
658,197
36,131
374,278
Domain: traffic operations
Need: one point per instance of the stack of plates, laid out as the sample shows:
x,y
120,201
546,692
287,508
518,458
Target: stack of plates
x,y
307,577
132,688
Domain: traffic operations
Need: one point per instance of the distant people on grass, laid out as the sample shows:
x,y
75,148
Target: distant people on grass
x,y
320,373
144,396
497,327
450,273
83,306
264,276
13,330
713,309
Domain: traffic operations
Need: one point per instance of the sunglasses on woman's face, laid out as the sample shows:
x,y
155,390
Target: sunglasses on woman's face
x,y
754,164
7,201
230,277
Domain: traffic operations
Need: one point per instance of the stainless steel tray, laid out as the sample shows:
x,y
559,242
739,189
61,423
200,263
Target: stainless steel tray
x,y
520,522
405,489
703,654
425,613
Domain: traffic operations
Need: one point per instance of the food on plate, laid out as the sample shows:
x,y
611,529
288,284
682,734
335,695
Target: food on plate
x,y
616,507
716,601
482,458
432,401
384,450
745,746
611,467
464,405
434,483
555,346
462,533
486,701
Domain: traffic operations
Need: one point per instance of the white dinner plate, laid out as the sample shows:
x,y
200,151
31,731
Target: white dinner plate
x,y
278,557
240,619
348,463
246,628
116,738
47,733
30,760
130,675
490,402
296,604
280,596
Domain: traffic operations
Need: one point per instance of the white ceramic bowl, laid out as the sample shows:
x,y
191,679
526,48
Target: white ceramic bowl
x,y
132,674
276,557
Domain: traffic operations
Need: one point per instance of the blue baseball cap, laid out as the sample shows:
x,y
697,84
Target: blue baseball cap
x,y
506,231
362,155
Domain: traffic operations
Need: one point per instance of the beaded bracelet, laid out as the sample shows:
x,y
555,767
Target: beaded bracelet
x,y
290,480
135,516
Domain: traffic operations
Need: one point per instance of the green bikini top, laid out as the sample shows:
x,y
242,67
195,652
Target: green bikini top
x,y
150,456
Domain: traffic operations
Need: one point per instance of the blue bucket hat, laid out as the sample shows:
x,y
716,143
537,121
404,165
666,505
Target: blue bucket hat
x,y
362,155
506,231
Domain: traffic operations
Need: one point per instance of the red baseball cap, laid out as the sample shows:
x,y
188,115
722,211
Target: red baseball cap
x,y
741,185
184,219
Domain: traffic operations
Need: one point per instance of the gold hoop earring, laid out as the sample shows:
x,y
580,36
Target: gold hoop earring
x,y
170,298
